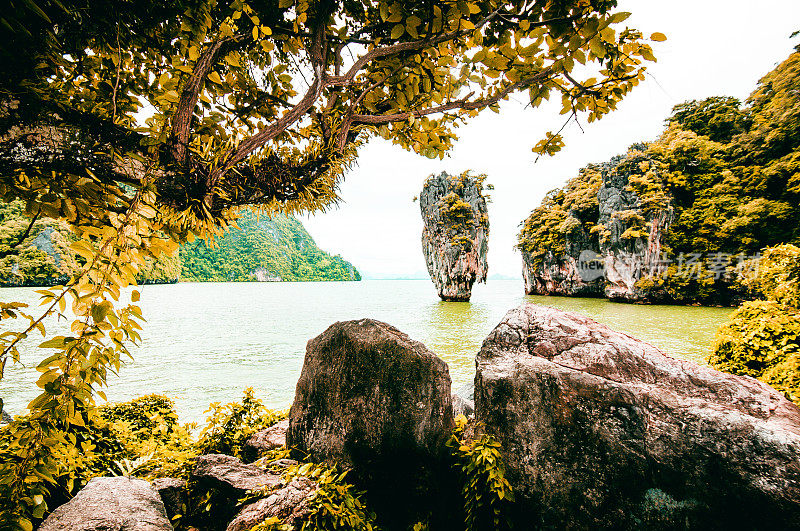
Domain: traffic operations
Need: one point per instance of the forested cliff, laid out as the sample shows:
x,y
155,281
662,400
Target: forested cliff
x,y
261,249
681,218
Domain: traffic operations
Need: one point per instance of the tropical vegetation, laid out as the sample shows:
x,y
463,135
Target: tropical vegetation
x,y
263,248
762,337
257,248
728,175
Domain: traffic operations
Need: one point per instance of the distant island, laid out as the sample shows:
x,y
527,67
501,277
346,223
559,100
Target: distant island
x,y
262,249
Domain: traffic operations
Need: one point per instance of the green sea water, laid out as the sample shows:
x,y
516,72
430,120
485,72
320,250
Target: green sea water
x,y
206,342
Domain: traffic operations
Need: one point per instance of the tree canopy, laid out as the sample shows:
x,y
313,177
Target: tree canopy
x,y
266,103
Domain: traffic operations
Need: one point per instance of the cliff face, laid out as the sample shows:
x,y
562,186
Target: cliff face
x,y
596,237
455,236
573,273
631,238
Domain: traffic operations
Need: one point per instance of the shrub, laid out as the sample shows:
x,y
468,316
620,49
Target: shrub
x,y
776,276
229,426
762,339
147,416
336,504
486,492
153,440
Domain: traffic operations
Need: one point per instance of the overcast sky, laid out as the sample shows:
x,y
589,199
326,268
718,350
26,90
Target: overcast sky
x,y
714,47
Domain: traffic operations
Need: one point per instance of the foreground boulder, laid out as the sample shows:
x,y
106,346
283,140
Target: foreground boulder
x,y
600,430
371,399
118,503
455,236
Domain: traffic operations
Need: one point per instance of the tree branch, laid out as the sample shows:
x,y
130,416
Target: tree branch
x,y
181,121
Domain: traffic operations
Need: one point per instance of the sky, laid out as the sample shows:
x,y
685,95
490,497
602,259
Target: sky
x,y
714,47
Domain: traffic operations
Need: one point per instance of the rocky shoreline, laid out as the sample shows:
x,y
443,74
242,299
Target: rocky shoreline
x,y
594,430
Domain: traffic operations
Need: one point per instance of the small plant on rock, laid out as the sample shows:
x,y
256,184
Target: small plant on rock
x,y
485,489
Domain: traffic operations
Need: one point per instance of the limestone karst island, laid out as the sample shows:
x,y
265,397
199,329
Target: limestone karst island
x,y
248,281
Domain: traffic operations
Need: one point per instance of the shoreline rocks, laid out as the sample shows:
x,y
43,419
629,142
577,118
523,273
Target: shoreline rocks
x,y
229,474
455,235
265,440
289,503
605,431
118,503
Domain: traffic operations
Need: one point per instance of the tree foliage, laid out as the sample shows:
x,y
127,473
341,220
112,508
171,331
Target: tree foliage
x,y
762,337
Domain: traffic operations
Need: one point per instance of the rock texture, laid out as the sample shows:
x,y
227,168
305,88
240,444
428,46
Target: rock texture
x,y
628,259
455,236
608,260
118,504
230,474
173,494
5,418
371,399
600,430
289,503
265,440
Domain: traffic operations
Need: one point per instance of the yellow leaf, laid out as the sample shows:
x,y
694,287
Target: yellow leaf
x,y
398,31
597,47
658,37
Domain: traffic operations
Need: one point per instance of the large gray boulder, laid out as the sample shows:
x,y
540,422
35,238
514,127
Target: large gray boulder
x,y
118,504
455,234
600,430
371,399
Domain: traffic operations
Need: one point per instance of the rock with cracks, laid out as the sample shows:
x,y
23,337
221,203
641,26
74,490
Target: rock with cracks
x,y
289,504
229,474
600,430
371,399
116,503
455,235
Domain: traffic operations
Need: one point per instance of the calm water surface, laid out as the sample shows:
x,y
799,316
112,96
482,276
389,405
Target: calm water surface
x,y
205,342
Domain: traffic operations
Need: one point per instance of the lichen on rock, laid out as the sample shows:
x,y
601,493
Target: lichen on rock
x,y
455,236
